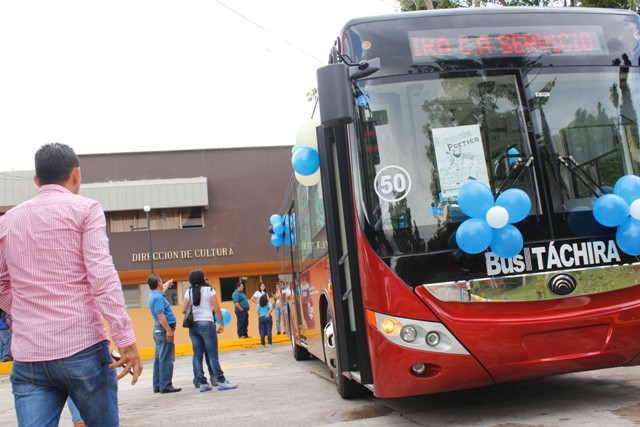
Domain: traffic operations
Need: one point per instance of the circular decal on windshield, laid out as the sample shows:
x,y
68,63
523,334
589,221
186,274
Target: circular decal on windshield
x,y
392,183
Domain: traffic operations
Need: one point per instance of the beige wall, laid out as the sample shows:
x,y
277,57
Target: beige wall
x,y
143,325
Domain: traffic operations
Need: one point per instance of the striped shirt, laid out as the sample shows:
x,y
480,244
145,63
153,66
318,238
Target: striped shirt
x,y
57,277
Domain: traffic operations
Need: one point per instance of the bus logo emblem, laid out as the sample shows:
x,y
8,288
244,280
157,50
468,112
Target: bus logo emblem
x,y
562,284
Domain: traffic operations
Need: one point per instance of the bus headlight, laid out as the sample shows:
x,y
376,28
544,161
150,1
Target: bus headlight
x,y
433,339
388,326
408,333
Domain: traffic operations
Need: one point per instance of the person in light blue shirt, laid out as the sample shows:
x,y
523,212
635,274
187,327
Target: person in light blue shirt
x,y
165,324
264,318
5,337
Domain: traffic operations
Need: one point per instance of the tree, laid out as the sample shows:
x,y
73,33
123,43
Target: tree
x,y
410,5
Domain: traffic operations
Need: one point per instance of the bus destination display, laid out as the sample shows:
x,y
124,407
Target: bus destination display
x,y
509,42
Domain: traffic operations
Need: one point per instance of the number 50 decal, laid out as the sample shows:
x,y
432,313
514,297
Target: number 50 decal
x,y
392,183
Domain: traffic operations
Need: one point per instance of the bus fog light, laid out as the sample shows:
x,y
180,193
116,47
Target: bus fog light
x,y
433,339
408,333
418,368
388,326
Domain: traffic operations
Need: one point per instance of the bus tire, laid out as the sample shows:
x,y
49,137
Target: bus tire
x,y
299,352
347,388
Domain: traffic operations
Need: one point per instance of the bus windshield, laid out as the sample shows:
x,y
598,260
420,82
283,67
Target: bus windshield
x,y
563,135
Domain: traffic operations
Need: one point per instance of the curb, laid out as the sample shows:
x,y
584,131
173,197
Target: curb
x,y
187,350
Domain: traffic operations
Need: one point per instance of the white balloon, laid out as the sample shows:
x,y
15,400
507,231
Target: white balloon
x,y
306,135
497,217
634,209
308,180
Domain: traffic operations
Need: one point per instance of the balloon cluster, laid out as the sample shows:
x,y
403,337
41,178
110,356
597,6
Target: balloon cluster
x,y
491,222
622,209
282,230
305,158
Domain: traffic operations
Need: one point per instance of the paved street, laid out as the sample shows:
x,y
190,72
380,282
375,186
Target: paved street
x,y
274,390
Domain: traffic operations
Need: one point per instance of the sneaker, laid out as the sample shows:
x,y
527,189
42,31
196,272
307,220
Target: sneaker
x,y
270,345
214,382
196,383
205,387
262,345
226,385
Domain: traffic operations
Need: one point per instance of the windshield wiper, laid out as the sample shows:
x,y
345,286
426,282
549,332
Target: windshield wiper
x,y
517,171
579,173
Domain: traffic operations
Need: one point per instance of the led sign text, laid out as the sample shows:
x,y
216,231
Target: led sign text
x,y
484,42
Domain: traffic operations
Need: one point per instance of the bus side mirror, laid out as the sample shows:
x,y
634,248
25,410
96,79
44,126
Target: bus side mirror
x,y
335,96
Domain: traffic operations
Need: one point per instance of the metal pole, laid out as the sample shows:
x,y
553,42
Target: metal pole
x,y
147,209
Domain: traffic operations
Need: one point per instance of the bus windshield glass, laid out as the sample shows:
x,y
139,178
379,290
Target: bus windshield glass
x,y
421,137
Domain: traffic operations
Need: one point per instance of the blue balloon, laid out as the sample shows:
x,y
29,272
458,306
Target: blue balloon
x,y
278,228
276,240
628,187
226,317
516,202
474,235
513,154
475,199
507,242
275,219
610,210
305,161
628,236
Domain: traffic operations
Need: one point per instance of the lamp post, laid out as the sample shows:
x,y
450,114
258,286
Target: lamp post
x,y
147,209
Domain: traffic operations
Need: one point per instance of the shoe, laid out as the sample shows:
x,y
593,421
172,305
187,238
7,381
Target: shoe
x,y
205,387
156,391
226,386
171,389
196,383
262,345
214,383
270,345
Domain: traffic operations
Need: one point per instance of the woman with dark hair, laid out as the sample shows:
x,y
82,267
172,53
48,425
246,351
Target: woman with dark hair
x,y
203,331
264,318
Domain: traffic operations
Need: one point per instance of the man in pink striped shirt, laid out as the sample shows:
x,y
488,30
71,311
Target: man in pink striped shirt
x,y
58,281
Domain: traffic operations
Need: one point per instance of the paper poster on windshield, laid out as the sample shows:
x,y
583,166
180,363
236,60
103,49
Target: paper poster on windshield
x,y
460,157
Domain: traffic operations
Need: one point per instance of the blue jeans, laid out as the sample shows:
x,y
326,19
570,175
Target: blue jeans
x,y
278,317
73,409
266,325
5,345
204,336
163,359
40,389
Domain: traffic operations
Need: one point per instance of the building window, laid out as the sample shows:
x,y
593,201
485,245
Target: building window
x,y
161,219
227,287
131,297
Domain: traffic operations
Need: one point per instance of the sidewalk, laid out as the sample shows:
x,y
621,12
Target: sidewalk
x,y
187,350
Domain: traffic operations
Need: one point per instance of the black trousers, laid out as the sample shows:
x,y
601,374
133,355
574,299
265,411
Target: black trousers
x,y
243,323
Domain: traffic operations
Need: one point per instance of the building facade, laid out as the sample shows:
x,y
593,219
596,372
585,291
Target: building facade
x,y
206,209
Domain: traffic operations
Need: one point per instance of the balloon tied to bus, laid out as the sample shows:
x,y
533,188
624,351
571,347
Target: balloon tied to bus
x,y
305,159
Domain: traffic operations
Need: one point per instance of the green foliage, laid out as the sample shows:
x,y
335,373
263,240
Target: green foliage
x,y
411,5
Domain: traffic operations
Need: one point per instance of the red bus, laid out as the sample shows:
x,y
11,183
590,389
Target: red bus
x,y
476,221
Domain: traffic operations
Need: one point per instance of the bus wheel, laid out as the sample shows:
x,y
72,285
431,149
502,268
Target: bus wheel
x,y
299,352
347,388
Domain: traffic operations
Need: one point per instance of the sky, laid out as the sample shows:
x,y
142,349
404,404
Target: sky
x,y
154,75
